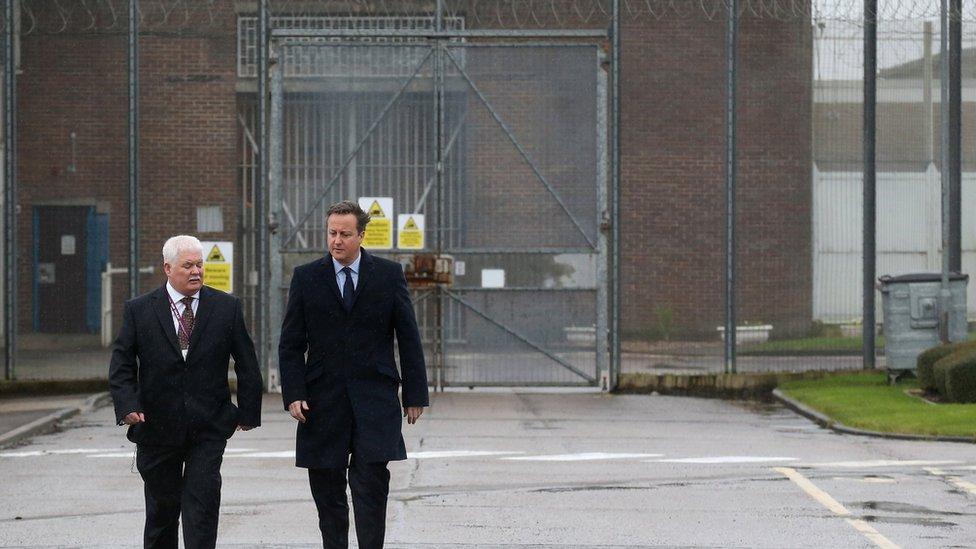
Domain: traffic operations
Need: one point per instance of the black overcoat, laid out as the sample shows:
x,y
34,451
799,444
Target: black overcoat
x,y
335,359
184,397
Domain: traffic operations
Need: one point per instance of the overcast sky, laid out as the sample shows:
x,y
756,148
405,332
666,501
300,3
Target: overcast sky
x,y
838,44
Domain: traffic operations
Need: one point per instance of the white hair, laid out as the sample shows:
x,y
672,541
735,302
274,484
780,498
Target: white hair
x,y
179,244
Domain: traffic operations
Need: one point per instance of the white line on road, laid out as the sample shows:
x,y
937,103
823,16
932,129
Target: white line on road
x,y
835,506
964,484
872,534
724,459
410,455
93,452
585,456
282,454
456,453
811,489
432,454
35,453
878,463
954,480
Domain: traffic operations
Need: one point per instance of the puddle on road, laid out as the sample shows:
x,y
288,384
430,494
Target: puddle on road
x,y
539,425
869,479
897,507
765,408
911,521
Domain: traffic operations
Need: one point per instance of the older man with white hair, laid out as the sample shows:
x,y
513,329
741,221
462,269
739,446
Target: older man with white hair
x,y
168,377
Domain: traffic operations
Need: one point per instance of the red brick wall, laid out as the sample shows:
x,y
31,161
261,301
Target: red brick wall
x,y
188,129
673,175
775,283
71,83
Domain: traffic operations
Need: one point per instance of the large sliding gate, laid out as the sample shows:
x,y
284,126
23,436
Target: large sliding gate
x,y
501,146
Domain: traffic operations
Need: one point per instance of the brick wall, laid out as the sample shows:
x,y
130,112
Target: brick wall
x,y
673,176
188,129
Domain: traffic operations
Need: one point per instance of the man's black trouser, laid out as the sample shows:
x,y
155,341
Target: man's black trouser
x,y
181,479
370,486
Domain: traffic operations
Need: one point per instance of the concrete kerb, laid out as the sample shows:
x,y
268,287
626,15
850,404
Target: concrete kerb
x,y
748,386
830,423
49,422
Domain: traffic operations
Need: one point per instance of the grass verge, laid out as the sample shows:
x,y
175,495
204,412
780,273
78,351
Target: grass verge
x,y
866,401
810,346
821,345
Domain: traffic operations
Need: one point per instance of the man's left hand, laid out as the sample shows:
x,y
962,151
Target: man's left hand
x,y
244,427
412,413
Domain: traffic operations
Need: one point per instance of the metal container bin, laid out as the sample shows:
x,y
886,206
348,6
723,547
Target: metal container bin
x,y
911,316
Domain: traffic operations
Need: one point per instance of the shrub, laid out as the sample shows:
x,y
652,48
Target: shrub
x,y
924,368
960,377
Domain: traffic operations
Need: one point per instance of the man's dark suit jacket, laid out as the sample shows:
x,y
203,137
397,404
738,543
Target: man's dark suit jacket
x,y
191,397
350,353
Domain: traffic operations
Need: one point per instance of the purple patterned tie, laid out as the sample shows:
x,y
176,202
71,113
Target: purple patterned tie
x,y
186,323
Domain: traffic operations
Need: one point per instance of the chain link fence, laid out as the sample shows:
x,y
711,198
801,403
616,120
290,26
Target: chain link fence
x,y
798,181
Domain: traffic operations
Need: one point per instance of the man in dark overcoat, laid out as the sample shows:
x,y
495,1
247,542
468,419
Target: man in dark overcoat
x,y
339,378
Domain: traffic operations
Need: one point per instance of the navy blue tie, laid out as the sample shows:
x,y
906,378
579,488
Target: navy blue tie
x,y
348,292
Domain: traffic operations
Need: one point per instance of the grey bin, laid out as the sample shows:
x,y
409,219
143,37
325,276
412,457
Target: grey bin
x,y
911,315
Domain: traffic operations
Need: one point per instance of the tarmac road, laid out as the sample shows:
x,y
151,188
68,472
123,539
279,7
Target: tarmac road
x,y
556,469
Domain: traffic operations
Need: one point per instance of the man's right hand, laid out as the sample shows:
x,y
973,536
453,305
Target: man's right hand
x,y
295,409
134,417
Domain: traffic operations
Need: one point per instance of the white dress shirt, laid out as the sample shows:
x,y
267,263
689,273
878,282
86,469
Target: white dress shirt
x,y
341,276
177,298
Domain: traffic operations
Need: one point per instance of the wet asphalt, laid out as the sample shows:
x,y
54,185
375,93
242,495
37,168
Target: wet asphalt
x,y
520,469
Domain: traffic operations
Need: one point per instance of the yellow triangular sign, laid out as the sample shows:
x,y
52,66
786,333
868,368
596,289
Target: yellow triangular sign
x,y
375,210
410,225
215,255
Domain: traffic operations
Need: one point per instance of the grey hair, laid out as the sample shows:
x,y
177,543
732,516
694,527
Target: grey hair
x,y
179,244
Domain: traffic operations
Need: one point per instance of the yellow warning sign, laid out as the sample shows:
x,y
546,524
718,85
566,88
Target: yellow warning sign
x,y
410,231
375,210
218,267
379,231
215,255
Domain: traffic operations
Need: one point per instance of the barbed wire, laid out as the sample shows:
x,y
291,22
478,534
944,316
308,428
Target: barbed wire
x,y
208,16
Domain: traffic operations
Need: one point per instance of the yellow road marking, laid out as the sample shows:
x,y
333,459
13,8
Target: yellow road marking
x,y
835,506
955,481
869,532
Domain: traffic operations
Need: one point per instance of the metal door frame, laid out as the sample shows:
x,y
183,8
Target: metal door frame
x,y
438,42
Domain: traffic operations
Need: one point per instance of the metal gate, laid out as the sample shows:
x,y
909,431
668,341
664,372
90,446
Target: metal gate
x,y
501,146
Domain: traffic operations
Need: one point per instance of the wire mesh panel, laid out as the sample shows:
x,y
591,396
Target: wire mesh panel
x,y
362,129
908,156
516,204
527,244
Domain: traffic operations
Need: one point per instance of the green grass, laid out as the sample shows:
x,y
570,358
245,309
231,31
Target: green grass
x,y
810,346
823,345
866,401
